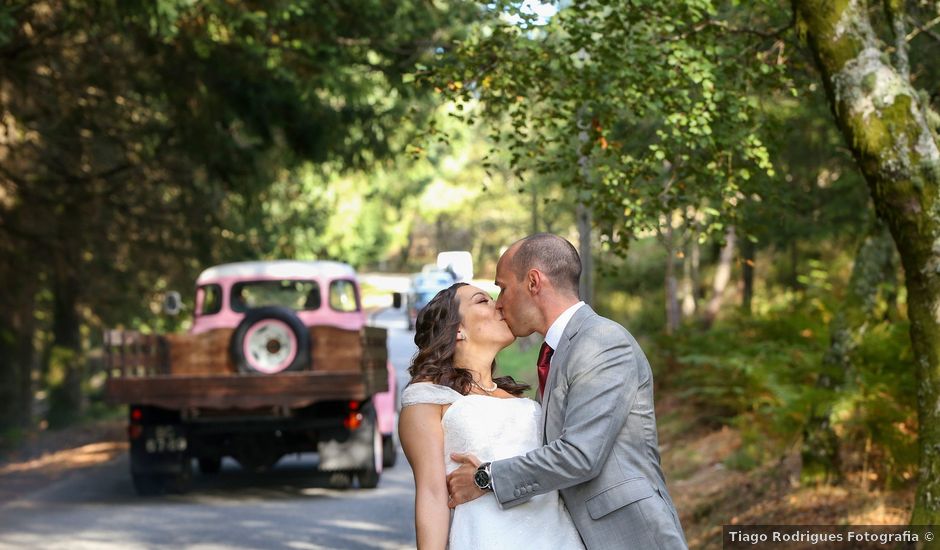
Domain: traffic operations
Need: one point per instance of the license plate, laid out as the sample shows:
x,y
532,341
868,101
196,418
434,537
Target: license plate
x,y
165,439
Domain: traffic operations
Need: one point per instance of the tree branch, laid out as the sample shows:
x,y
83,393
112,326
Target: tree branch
x,y
925,28
896,17
725,26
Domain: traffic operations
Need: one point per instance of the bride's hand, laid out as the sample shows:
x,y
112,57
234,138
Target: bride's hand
x,y
460,484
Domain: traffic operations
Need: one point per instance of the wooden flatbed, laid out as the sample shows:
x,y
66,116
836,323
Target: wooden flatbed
x,y
188,371
291,389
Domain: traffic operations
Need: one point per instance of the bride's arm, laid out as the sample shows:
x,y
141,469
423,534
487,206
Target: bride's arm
x,y
422,439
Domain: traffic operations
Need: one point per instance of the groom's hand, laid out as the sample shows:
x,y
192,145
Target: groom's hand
x,y
460,482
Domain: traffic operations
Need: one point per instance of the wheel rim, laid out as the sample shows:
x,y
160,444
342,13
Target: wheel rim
x,y
270,346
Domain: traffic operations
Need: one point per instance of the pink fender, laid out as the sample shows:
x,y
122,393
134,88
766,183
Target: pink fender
x,y
385,403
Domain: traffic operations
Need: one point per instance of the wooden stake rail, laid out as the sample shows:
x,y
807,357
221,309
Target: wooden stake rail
x,y
130,353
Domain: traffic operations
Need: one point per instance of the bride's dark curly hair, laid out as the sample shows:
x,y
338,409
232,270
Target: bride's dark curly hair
x,y
436,338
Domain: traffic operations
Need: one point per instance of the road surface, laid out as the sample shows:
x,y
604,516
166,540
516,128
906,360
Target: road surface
x,y
288,508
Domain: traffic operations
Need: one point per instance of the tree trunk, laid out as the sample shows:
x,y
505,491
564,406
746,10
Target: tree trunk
x,y
793,280
587,258
672,288
535,208
65,360
583,214
17,355
884,123
874,264
405,255
722,276
689,272
747,275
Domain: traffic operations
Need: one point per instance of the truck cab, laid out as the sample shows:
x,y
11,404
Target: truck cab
x,y
320,293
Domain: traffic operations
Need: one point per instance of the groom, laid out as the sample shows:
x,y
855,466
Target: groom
x,y
600,446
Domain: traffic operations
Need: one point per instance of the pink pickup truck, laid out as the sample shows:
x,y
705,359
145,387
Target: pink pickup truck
x,y
279,360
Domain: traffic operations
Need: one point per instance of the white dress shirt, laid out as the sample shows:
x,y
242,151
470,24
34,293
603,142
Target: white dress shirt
x,y
553,336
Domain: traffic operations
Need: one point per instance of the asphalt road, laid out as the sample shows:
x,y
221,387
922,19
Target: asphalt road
x,y
290,507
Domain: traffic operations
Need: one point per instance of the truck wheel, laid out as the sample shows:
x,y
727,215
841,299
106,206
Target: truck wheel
x,y
270,340
340,480
181,482
369,476
257,460
389,451
147,485
210,464
159,484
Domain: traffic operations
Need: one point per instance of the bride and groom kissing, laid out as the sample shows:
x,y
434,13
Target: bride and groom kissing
x,y
489,466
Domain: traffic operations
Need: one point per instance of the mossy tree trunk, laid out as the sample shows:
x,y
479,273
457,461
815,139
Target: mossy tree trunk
x,y
885,125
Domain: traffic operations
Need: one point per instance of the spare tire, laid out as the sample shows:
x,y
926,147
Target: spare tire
x,y
270,340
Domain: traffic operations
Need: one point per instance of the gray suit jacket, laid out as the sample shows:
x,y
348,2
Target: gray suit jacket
x,y
600,444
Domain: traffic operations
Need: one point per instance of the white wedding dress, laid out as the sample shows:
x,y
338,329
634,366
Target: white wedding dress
x,y
491,428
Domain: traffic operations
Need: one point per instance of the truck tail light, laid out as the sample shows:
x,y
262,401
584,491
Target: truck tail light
x,y
353,420
134,431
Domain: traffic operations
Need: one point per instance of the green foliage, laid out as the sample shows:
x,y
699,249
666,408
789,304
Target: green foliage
x,y
62,378
148,140
8,12
751,368
877,407
760,372
818,194
519,364
759,375
11,437
658,100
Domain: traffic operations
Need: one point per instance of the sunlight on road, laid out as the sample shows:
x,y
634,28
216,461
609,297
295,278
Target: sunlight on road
x,y
88,455
365,526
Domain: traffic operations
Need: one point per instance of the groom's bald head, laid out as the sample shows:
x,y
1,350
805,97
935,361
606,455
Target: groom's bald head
x,y
554,256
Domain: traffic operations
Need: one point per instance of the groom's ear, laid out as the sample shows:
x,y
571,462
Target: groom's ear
x,y
533,281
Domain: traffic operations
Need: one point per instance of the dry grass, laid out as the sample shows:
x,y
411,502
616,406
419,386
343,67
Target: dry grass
x,y
709,495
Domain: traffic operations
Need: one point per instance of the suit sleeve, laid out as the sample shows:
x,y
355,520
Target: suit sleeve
x,y
603,379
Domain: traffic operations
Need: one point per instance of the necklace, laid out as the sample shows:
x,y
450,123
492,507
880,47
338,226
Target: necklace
x,y
487,390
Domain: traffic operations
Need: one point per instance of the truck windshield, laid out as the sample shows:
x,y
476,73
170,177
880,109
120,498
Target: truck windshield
x,y
297,295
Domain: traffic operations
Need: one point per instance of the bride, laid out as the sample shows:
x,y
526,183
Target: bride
x,y
454,405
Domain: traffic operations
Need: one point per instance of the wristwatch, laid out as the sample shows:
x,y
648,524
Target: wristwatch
x,y
482,477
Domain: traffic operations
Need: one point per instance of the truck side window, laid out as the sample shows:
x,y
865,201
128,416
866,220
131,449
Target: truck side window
x,y
211,299
343,296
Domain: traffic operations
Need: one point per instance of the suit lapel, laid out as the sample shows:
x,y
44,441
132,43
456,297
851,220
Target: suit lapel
x,y
560,357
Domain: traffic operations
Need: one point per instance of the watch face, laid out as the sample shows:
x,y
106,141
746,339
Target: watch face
x,y
482,479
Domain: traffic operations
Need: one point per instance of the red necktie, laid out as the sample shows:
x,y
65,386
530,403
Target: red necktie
x,y
545,360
